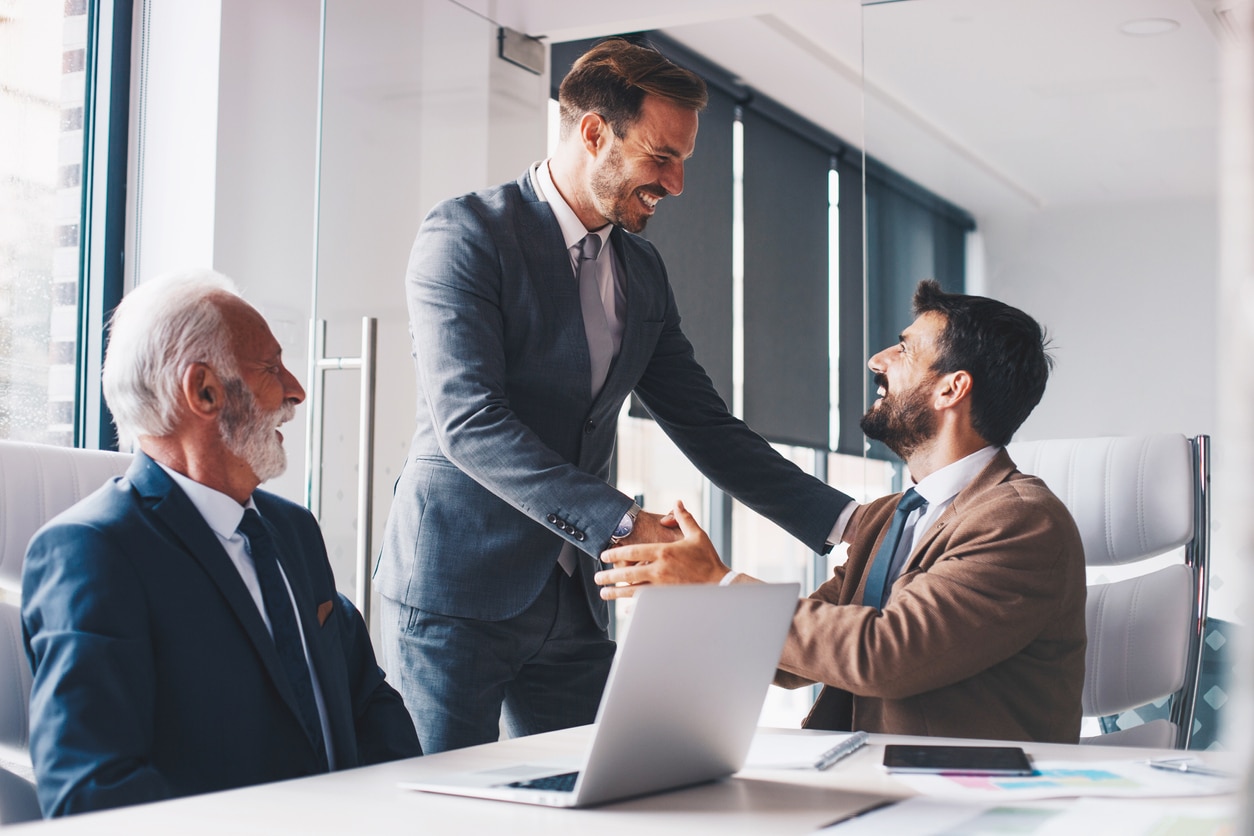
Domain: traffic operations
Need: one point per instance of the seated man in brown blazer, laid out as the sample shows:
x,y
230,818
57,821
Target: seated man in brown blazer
x,y
960,609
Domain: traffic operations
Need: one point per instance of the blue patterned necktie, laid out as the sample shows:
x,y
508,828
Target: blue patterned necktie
x,y
877,580
283,626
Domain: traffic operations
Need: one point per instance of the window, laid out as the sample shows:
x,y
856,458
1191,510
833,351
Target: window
x,y
42,84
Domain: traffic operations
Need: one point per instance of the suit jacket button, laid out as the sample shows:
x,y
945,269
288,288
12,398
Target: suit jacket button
x,y
579,535
588,428
552,518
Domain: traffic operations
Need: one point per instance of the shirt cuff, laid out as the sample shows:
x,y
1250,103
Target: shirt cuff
x,y
729,577
842,522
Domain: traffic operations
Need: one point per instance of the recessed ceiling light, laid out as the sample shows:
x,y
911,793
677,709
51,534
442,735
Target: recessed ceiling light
x,y
1149,26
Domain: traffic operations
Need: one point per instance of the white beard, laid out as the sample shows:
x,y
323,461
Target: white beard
x,y
250,433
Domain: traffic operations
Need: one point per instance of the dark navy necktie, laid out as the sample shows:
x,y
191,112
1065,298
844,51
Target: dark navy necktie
x,y
877,580
283,626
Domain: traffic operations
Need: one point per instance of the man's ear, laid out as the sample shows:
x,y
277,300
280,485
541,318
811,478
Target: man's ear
x,y
953,389
595,132
203,392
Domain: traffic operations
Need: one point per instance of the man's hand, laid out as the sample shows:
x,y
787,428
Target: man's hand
x,y
650,528
691,559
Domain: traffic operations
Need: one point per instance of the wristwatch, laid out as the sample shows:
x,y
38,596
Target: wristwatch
x,y
625,525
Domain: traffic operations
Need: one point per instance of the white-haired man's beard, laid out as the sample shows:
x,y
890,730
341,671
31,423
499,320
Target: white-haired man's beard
x,y
250,433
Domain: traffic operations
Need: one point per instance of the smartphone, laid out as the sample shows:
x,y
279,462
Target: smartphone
x,y
957,760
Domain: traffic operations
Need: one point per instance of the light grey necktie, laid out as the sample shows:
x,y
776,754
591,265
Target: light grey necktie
x,y
596,325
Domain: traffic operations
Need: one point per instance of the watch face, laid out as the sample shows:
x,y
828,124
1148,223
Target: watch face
x,y
623,529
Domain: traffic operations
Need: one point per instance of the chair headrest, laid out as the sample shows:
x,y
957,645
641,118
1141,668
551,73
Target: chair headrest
x,y
37,482
1131,496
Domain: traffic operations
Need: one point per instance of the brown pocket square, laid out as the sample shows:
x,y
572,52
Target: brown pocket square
x,y
324,611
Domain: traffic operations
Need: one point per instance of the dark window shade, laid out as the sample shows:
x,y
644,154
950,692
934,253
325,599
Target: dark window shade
x,y
907,241
785,284
693,232
851,392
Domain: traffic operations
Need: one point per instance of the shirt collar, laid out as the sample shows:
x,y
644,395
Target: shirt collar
x,y
948,482
219,510
573,230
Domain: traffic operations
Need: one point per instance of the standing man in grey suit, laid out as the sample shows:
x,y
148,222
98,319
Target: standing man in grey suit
x,y
534,312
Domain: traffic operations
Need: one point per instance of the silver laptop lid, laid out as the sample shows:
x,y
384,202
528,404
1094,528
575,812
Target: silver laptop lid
x,y
686,688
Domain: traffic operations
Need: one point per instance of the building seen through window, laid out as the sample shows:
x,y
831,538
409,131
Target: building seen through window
x,y
42,84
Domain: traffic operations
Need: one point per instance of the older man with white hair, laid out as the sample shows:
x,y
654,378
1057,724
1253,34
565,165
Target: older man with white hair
x,y
183,627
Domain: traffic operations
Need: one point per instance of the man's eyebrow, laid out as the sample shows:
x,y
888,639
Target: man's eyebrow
x,y
668,151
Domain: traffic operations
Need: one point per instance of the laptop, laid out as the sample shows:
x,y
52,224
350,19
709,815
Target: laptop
x,y
680,708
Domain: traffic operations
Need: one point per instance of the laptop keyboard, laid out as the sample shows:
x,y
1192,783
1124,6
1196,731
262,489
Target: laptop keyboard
x,y
560,783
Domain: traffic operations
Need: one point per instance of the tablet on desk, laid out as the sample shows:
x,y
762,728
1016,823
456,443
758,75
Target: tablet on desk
x,y
957,760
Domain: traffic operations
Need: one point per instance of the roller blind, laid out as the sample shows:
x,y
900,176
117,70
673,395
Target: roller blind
x,y
785,283
911,235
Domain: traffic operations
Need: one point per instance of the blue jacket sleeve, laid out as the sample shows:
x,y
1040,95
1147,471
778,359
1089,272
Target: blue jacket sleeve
x,y
85,625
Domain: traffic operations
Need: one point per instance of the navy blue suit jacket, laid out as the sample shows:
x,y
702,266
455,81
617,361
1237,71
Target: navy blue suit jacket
x,y
511,452
154,674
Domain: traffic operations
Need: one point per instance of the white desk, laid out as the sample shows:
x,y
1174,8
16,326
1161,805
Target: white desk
x,y
367,800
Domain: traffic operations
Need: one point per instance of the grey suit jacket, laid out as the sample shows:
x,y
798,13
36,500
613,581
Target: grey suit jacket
x,y
983,635
510,453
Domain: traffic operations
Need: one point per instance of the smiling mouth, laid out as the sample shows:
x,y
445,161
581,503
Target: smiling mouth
x,y
650,201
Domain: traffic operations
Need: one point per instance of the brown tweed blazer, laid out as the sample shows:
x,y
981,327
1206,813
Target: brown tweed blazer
x,y
983,635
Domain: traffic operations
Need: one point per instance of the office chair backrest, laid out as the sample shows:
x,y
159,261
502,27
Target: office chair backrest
x,y
18,801
1134,498
37,482
14,690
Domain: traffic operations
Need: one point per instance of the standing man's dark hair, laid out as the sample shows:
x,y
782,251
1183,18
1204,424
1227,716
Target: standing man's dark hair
x,y
613,78
1004,350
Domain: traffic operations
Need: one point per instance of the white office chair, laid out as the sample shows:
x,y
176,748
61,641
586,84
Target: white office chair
x,y
18,801
37,482
1134,498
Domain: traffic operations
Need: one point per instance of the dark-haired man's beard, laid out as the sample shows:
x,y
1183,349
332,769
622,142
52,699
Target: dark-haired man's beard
x,y
903,422
249,432
617,199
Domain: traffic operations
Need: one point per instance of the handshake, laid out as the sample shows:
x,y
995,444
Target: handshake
x,y
670,549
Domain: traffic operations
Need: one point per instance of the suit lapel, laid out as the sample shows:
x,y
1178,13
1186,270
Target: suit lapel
x,y
544,250
994,473
183,523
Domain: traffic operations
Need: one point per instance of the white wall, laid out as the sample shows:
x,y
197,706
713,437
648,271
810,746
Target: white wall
x,y
173,132
222,159
267,121
1128,293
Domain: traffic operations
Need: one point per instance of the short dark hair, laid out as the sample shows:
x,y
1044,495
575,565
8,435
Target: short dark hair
x,y
1005,351
613,78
